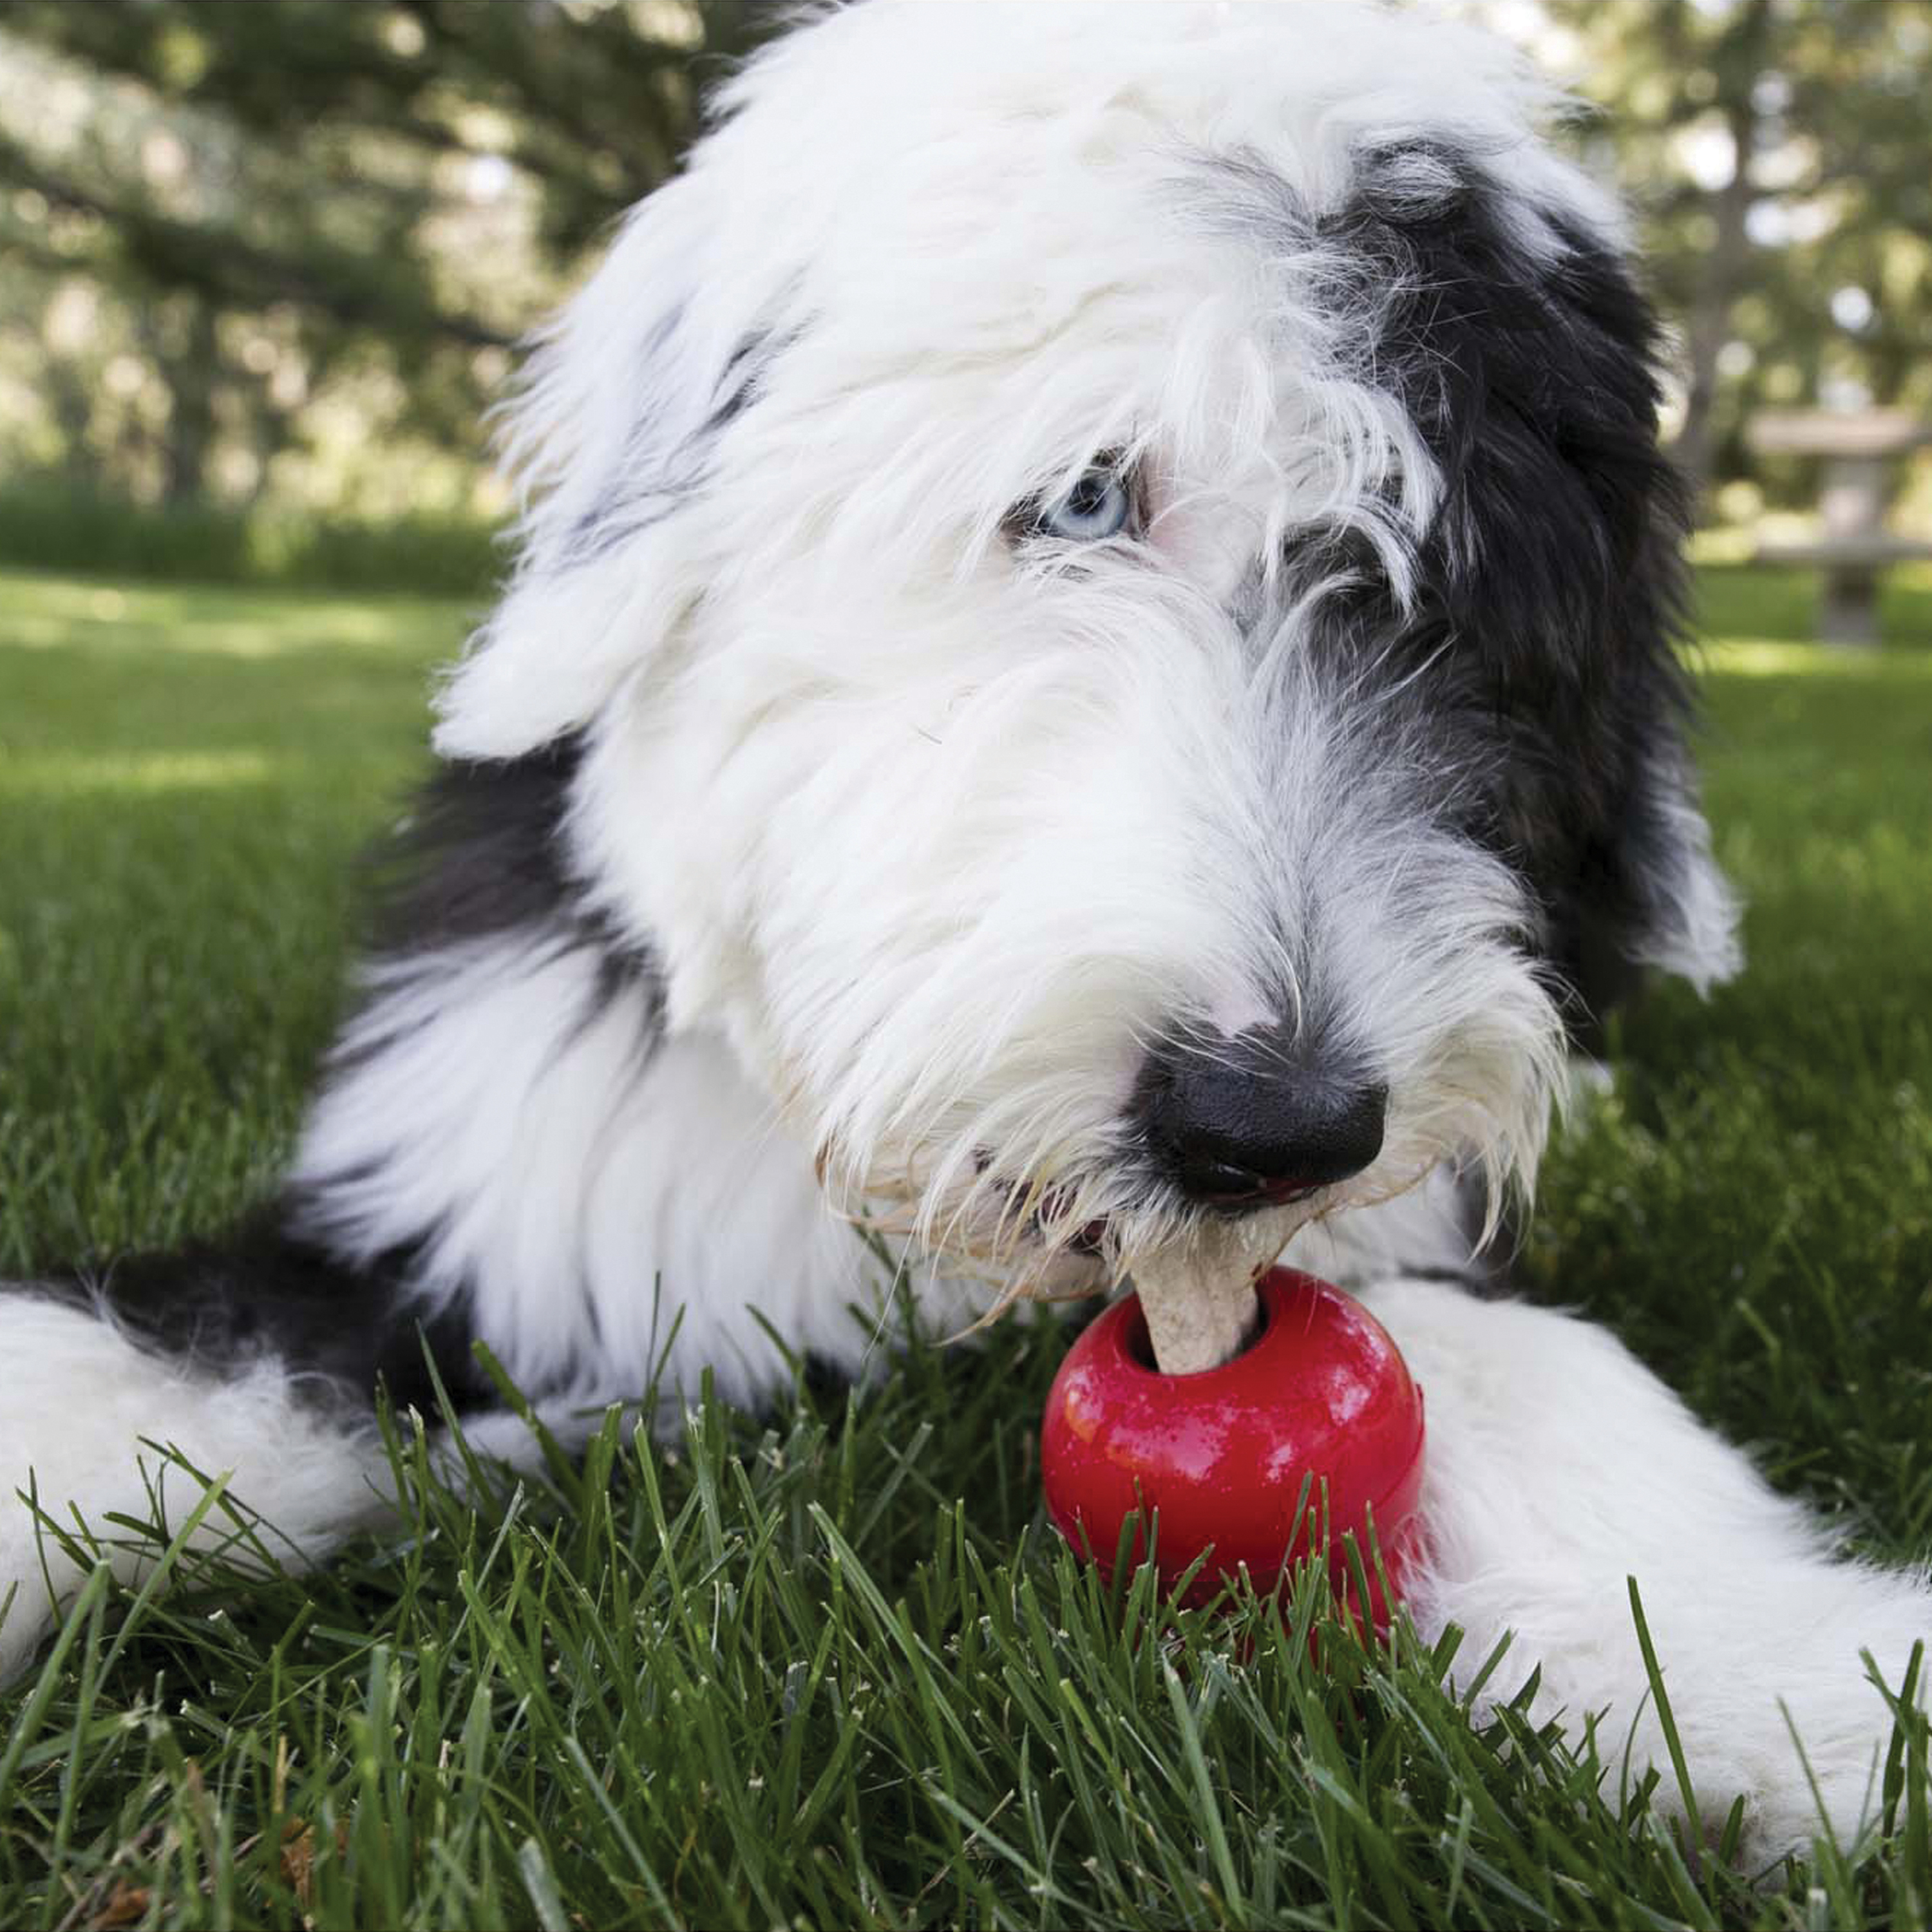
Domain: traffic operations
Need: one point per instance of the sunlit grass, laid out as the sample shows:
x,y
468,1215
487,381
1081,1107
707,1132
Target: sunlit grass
x,y
1768,657
828,1668
1782,604
160,771
70,613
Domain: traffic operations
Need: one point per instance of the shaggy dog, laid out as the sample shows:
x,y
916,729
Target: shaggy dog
x,y
1089,679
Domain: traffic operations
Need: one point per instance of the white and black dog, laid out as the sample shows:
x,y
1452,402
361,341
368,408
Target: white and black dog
x,y
1090,676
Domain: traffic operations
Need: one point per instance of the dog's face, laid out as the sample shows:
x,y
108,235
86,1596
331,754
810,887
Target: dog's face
x,y
1115,579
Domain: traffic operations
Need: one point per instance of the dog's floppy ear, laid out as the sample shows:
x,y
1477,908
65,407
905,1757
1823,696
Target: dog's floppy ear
x,y
1600,806
1615,827
1521,348
1642,888
611,437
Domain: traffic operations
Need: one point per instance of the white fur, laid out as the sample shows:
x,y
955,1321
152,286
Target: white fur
x,y
592,1194
99,1428
932,840
846,759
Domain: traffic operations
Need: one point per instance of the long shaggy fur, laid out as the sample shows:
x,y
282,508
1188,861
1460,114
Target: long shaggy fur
x,y
832,835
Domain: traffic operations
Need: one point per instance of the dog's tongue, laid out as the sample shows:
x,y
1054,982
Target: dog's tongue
x,y
1200,1302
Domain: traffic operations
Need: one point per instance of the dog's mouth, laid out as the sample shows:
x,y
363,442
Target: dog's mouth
x,y
1072,1234
1099,1238
1231,1193
1047,1207
1089,1240
1046,1211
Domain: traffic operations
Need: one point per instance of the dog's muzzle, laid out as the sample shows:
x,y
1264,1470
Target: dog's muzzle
x,y
1242,1124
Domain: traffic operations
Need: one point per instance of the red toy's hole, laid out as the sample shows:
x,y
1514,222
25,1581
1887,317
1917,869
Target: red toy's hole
x,y
1137,1344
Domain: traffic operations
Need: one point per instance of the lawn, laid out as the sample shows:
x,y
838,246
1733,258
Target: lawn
x,y
829,1667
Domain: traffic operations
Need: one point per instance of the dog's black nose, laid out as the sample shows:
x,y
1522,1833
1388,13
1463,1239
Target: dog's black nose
x,y
1247,1123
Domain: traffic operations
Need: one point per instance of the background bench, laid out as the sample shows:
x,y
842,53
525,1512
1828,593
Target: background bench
x,y
1862,450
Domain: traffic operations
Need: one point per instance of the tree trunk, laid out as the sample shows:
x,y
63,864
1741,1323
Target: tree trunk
x,y
73,409
190,373
1707,324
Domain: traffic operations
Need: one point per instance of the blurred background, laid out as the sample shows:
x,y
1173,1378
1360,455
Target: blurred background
x,y
263,266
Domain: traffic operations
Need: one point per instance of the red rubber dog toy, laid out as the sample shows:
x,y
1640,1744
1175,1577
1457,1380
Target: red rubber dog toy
x,y
1321,1396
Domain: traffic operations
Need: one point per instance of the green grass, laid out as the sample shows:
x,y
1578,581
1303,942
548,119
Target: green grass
x,y
829,1668
48,523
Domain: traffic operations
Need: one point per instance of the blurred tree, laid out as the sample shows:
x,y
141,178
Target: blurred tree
x,y
238,233
1776,151
249,199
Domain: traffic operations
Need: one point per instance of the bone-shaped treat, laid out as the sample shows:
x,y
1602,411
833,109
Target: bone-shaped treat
x,y
1201,1309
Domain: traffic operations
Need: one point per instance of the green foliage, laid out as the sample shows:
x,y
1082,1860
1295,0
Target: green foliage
x,y
1774,151
73,528
283,246
229,228
829,1668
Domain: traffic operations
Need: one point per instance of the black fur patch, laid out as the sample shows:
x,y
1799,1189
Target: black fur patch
x,y
1552,583
482,852
269,1293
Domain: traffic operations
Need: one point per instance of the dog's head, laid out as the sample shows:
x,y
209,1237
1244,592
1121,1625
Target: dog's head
x,y
1114,574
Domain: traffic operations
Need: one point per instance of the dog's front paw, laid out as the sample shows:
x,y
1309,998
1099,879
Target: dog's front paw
x,y
28,1612
1560,1468
1783,1682
1769,1690
1834,1656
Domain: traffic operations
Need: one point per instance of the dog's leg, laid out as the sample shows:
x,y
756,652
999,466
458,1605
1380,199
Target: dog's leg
x,y
1559,1467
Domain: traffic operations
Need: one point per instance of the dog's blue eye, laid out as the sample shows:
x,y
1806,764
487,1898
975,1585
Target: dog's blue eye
x,y
1099,504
